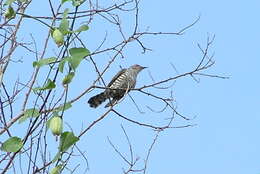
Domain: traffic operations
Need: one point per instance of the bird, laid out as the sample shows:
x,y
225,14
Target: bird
x,y
121,84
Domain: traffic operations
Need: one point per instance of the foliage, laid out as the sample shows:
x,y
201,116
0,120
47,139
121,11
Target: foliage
x,y
55,62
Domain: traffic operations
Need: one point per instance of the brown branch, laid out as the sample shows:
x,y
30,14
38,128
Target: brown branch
x,y
95,122
139,123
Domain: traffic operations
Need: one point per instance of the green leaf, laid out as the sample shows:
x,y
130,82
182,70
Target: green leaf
x,y
64,24
29,113
77,2
48,123
65,13
56,170
63,107
49,85
63,1
9,2
79,52
36,89
13,144
77,55
68,78
67,139
10,13
62,63
43,62
74,62
82,28
57,156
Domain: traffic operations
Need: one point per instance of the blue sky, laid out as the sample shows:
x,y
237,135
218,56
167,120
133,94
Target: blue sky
x,y
226,137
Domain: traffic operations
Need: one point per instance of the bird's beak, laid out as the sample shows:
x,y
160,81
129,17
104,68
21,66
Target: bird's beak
x,y
144,67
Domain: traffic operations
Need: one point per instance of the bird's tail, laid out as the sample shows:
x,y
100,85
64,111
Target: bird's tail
x,y
96,100
111,102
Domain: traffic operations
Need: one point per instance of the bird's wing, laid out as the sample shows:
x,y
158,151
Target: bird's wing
x,y
115,77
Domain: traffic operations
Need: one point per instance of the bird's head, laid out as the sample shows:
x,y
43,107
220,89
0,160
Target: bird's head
x,y
138,68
